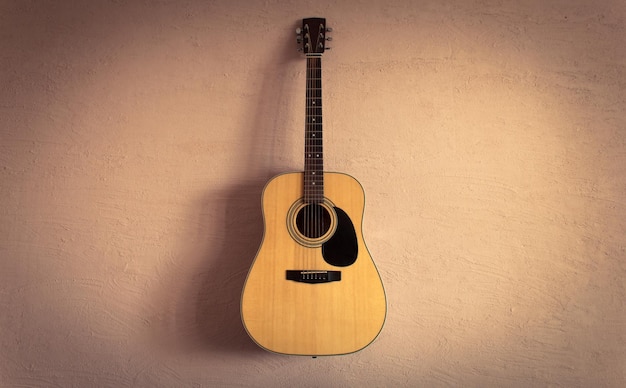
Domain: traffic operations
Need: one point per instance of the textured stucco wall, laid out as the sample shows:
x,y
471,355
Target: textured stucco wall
x,y
136,136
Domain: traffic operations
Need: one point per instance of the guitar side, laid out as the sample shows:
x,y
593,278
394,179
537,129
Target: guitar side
x,y
300,318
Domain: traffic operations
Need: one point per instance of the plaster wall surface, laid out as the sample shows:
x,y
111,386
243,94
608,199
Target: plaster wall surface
x,y
136,137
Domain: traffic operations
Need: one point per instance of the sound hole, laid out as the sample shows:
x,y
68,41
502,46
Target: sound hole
x,y
313,221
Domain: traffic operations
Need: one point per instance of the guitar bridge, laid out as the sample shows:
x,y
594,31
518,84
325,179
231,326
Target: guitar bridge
x,y
313,276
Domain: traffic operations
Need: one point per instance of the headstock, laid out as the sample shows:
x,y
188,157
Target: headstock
x,y
313,36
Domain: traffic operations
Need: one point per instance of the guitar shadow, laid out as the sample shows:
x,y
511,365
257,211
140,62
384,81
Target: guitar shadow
x,y
221,276
199,303
200,306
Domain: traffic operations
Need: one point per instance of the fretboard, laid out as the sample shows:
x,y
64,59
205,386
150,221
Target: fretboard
x,y
313,144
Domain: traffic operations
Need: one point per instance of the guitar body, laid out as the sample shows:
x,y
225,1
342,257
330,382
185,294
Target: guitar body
x,y
313,293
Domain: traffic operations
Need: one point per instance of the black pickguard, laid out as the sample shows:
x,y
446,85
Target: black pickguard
x,y
342,249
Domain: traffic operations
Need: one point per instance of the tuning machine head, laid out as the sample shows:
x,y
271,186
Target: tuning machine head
x,y
328,38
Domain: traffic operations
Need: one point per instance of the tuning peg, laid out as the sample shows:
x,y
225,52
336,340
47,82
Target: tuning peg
x,y
327,48
329,29
299,39
298,31
329,38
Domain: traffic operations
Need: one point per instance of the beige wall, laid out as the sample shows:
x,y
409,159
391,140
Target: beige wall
x,y
136,136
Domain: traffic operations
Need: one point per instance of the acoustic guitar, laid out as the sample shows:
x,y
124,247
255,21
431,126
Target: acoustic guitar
x,y
313,288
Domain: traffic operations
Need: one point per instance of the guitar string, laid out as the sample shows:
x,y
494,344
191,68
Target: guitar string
x,y
310,203
307,200
318,109
312,143
308,141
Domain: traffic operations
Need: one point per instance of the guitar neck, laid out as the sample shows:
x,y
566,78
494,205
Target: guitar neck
x,y
313,142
